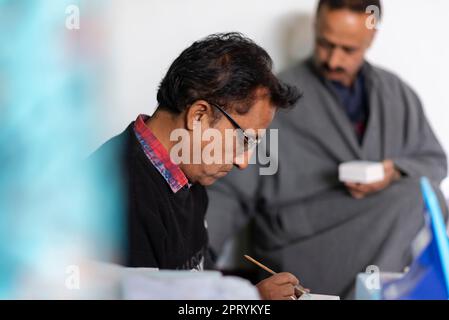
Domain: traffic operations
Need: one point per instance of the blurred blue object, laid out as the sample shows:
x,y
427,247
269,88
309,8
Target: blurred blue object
x,y
364,288
56,209
428,277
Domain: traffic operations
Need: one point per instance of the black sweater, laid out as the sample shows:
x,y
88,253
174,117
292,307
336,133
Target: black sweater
x,y
165,230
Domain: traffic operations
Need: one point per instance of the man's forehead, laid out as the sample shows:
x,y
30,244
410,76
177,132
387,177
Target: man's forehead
x,y
343,27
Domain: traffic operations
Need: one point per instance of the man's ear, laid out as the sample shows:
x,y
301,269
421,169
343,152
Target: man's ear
x,y
199,111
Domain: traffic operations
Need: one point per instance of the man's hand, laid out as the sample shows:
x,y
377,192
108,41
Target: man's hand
x,y
359,190
280,286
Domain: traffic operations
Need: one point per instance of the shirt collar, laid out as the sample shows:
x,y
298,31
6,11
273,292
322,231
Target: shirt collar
x,y
159,156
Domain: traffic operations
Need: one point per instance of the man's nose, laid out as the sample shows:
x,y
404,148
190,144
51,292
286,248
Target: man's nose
x,y
334,59
242,161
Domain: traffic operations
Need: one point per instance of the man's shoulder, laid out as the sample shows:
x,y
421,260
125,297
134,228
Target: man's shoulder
x,y
382,72
115,146
388,79
299,72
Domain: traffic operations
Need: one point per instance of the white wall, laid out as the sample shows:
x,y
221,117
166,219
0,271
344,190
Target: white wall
x,y
143,38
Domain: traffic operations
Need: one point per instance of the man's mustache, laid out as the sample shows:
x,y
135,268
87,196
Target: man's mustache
x,y
327,68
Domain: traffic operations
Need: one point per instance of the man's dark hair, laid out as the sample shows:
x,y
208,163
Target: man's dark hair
x,y
353,5
224,69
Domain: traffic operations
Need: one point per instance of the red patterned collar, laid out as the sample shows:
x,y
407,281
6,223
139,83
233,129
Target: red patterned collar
x,y
158,155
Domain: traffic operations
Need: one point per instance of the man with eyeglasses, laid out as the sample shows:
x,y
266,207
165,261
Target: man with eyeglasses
x,y
223,82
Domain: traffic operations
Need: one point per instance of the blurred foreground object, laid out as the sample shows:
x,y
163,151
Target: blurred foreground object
x,y
428,277
50,220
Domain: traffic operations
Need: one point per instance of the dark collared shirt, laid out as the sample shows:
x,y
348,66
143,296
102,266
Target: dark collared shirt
x,y
165,215
355,103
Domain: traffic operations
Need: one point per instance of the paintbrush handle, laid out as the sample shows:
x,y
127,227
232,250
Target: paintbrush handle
x,y
298,287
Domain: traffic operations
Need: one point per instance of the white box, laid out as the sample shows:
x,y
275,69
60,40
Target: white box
x,y
361,172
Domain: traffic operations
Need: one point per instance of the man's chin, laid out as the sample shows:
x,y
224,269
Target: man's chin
x,y
342,78
208,180
334,76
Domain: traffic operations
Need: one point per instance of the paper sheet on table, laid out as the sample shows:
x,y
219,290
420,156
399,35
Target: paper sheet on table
x,y
185,285
311,296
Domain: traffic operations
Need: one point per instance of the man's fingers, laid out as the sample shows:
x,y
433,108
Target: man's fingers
x,y
298,293
351,185
287,290
357,195
278,287
355,191
285,277
357,187
361,187
366,188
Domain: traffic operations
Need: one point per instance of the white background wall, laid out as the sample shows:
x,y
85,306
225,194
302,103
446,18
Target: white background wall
x,y
144,36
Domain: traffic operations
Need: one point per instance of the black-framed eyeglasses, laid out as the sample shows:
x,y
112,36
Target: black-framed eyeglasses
x,y
249,142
